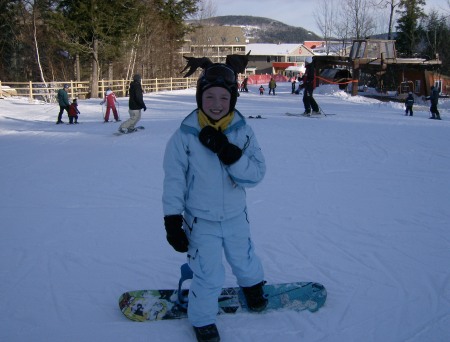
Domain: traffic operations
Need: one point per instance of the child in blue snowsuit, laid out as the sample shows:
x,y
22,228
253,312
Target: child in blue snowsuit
x,y
209,161
409,102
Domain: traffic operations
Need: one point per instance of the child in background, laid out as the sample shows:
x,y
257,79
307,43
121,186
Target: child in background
x,y
111,100
209,161
409,104
261,90
73,112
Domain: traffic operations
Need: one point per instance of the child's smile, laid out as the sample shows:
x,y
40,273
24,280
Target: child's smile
x,y
216,102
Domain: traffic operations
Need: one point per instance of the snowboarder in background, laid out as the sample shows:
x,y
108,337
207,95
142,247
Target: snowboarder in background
x,y
434,99
73,112
272,86
308,84
135,104
63,101
111,101
205,216
409,102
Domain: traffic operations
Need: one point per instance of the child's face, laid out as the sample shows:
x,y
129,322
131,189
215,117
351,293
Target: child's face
x,y
216,102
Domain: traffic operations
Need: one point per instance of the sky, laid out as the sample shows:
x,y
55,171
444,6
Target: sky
x,y
298,13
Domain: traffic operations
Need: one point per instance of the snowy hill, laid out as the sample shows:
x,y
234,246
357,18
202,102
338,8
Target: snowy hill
x,y
358,201
264,30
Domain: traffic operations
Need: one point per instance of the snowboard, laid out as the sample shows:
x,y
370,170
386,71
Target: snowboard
x,y
156,305
136,129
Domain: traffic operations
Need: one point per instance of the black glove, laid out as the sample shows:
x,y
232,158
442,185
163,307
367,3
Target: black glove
x,y
230,154
175,233
213,139
145,108
217,142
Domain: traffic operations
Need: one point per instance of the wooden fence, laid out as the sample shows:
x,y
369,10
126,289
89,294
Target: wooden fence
x,y
81,90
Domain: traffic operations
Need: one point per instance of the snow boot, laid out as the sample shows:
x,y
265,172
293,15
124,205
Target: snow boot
x,y
208,333
254,295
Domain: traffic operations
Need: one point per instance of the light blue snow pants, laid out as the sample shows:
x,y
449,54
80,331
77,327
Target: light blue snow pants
x,y
207,240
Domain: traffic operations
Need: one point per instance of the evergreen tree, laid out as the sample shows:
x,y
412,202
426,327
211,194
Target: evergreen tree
x,y
10,48
436,39
408,29
95,30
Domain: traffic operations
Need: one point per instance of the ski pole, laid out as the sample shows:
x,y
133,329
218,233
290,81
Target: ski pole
x,y
103,112
321,110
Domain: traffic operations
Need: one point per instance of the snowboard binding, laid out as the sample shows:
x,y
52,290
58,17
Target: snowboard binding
x,y
186,274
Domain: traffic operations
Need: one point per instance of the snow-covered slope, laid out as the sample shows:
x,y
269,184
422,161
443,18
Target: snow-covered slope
x,y
358,201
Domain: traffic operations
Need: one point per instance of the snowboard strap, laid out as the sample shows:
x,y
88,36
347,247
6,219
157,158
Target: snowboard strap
x,y
186,274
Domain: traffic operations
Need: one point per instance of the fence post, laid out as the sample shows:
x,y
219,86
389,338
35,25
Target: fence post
x,y
31,91
156,85
71,90
171,84
1,90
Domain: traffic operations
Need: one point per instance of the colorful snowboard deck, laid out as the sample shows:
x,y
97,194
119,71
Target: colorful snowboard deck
x,y
155,305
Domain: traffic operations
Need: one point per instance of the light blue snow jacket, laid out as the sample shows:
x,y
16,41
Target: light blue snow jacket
x,y
198,183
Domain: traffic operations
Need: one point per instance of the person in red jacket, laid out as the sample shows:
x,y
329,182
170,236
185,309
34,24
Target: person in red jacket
x,y
111,100
73,112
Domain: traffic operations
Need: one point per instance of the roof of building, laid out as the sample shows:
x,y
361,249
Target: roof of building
x,y
277,49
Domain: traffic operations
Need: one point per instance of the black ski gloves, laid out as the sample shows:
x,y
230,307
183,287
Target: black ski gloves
x,y
175,233
217,142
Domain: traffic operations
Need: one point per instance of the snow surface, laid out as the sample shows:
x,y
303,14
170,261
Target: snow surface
x,y
358,201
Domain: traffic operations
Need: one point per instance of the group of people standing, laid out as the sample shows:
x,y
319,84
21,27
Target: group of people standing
x,y
434,99
65,105
135,104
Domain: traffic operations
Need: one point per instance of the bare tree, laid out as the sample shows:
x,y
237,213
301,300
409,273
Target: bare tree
x,y
206,10
341,29
359,18
391,5
324,15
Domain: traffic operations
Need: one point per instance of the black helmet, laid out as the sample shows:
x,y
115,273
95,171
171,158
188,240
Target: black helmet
x,y
218,75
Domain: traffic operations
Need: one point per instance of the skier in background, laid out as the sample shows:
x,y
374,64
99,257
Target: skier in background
x,y
308,84
434,98
409,102
293,82
261,90
111,101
